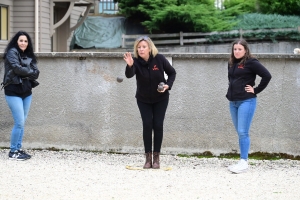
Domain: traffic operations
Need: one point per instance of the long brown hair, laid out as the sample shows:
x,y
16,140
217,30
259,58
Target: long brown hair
x,y
245,57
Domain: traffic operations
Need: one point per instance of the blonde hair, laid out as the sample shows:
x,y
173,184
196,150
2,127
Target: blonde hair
x,y
152,47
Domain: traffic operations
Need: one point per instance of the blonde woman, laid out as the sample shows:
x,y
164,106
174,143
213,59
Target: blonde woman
x,y
149,67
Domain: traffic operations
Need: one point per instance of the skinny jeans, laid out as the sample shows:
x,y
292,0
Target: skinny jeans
x,y
19,108
242,113
153,115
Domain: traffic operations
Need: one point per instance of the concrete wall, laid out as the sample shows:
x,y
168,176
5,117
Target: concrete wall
x,y
282,47
80,105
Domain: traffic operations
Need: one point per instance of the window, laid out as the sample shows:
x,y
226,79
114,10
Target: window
x,y
108,7
3,22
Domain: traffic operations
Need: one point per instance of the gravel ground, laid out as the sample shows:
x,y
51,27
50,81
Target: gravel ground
x,y
87,175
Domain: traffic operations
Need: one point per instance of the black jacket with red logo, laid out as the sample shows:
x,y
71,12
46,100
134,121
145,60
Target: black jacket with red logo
x,y
148,75
241,75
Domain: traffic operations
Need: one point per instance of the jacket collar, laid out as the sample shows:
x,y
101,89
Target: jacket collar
x,y
143,62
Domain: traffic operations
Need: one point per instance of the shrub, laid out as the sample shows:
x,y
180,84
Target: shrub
x,y
263,21
282,7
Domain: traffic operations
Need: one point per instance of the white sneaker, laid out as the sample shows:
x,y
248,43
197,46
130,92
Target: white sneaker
x,y
240,167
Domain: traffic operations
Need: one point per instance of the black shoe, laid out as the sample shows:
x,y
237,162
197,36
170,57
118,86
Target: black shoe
x,y
16,156
24,153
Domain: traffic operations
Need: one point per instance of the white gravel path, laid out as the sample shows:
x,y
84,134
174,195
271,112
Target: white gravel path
x,y
86,175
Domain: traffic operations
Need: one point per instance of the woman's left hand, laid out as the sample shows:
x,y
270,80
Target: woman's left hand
x,y
249,89
166,87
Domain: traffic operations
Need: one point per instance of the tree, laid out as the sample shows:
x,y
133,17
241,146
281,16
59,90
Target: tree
x,y
282,7
177,15
241,6
129,8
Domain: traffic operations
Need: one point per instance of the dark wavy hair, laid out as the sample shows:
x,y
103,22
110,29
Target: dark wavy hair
x,y
246,56
13,43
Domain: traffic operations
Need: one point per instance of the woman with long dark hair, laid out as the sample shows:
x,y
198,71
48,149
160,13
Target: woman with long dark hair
x,y
242,71
20,77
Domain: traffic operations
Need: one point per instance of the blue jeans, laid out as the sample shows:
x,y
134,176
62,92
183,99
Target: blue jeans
x,y
242,113
19,108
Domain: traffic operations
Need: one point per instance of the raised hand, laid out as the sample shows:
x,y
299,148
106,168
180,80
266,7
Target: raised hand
x,y
128,59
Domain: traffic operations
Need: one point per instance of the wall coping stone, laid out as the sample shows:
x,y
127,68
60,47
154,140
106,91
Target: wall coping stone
x,y
83,55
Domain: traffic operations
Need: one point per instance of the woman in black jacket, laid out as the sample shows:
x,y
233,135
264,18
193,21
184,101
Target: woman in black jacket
x,y
20,76
242,71
149,67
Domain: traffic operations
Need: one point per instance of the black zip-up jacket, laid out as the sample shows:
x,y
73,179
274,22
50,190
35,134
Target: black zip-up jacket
x,y
241,75
19,70
148,75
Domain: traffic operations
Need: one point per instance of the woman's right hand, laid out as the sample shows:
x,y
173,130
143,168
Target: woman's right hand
x,y
128,59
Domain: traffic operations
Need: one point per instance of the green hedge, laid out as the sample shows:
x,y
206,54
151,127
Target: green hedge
x,y
261,21
264,35
255,21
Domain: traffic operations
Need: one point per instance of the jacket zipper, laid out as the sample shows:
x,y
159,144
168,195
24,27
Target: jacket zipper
x,y
232,81
150,80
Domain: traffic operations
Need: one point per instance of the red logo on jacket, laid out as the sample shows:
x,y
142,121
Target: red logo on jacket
x,y
155,68
241,66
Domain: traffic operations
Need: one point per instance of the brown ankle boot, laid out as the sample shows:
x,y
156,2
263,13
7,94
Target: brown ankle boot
x,y
155,160
148,163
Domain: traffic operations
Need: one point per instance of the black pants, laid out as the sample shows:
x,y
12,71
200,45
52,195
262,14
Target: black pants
x,y
153,116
